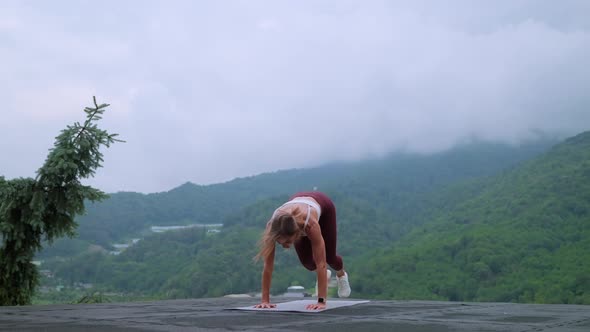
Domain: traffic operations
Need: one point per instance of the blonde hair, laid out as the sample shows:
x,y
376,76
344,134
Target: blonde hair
x,y
282,225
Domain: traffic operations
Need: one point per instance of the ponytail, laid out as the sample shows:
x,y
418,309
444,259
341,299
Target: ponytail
x,y
277,227
266,244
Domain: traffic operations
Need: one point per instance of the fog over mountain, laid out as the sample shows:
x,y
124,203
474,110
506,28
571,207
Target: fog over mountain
x,y
209,91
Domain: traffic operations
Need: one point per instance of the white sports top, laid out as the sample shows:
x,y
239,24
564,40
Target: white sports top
x,y
305,200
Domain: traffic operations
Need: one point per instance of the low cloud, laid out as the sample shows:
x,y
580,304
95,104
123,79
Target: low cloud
x,y
206,92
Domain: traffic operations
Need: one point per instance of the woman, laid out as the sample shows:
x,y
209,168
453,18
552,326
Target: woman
x,y
307,221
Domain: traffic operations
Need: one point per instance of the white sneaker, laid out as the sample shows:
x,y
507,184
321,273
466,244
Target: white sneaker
x,y
343,286
328,276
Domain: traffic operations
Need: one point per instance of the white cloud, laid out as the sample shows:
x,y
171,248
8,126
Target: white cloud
x,y
205,92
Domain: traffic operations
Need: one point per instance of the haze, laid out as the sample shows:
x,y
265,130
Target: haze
x,y
206,91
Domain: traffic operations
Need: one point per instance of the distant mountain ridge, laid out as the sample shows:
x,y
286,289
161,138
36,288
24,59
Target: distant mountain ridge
x,y
125,214
525,237
469,225
459,226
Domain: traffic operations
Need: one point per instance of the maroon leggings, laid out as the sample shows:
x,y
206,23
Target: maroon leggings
x,y
328,226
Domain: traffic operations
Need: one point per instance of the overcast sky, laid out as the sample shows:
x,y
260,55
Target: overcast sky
x,y
207,91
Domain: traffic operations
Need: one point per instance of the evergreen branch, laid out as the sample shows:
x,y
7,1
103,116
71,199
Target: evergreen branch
x,y
90,117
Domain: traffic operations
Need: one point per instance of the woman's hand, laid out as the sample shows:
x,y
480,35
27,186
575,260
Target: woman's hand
x,y
316,306
265,305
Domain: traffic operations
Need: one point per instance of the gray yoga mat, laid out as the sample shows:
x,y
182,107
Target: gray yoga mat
x,y
299,305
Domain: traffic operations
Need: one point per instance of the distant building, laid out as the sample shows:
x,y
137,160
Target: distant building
x,y
120,247
238,295
295,291
82,285
161,229
46,273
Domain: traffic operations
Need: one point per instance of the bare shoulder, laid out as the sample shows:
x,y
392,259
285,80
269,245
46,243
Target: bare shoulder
x,y
313,226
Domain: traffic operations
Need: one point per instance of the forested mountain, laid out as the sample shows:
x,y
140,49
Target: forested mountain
x,y
394,182
482,222
525,237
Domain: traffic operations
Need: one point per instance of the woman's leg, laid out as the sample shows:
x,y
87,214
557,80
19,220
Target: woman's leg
x,y
305,254
330,235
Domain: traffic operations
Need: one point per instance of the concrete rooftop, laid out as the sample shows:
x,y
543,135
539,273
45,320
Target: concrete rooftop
x,y
211,315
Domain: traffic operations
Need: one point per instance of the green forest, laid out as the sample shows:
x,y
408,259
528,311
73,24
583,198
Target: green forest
x,y
481,222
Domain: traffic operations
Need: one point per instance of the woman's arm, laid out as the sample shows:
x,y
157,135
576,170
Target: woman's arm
x,y
319,256
267,276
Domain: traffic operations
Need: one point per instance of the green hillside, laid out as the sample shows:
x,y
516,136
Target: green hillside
x,y
525,237
454,226
395,182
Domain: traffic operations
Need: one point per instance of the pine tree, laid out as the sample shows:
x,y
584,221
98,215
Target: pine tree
x,y
44,208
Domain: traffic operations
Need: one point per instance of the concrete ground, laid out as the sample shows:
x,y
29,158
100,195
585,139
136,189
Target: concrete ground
x,y
212,315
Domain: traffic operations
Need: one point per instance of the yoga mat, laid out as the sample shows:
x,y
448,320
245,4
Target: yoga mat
x,y
299,305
